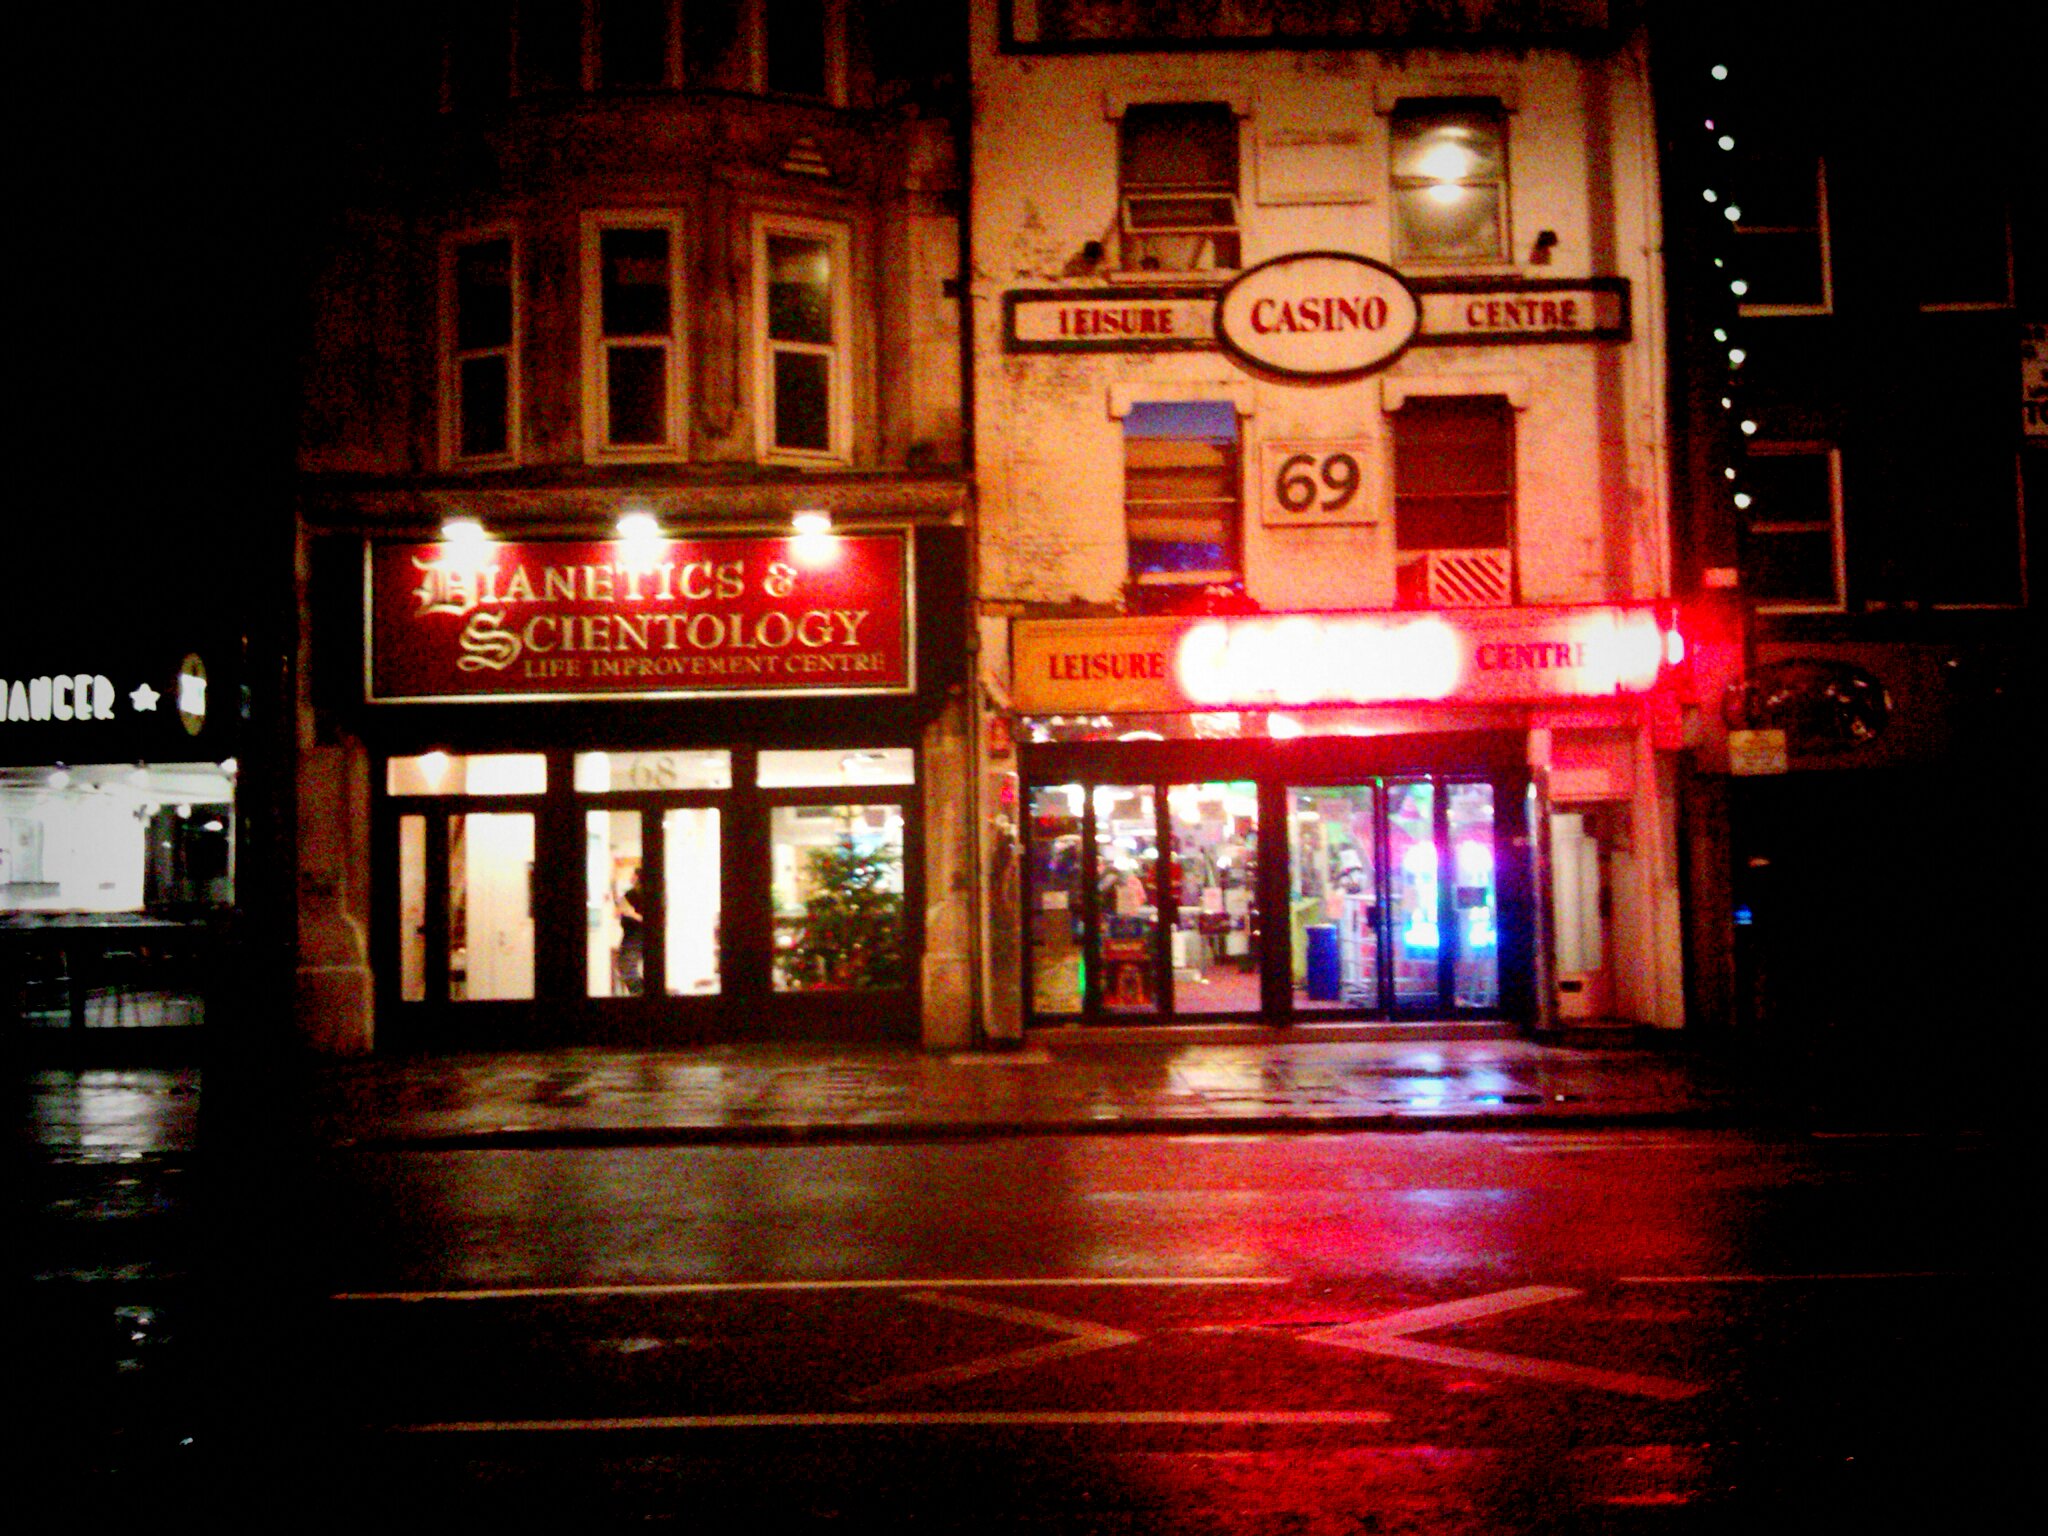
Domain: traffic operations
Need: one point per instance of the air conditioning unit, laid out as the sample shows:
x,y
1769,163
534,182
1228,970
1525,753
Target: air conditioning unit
x,y
1180,231
1457,578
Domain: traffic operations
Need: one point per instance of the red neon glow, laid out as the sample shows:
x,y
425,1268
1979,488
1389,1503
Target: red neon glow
x,y
1304,659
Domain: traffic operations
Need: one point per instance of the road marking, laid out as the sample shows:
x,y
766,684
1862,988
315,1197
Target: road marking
x,y
720,1287
990,1419
1389,1336
1876,1274
1081,1338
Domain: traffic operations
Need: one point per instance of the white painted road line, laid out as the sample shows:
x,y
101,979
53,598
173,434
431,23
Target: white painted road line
x,y
1081,1338
1874,1274
729,1287
1023,1418
1388,1336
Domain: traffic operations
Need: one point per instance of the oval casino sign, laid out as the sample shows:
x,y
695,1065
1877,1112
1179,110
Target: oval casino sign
x,y
1318,315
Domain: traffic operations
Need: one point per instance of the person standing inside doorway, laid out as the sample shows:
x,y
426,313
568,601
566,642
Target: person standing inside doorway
x,y
630,960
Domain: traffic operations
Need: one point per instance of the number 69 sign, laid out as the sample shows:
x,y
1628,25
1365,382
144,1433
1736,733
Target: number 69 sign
x,y
1318,483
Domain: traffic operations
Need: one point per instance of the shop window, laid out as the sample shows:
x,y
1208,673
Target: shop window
x,y
1450,171
480,367
1792,527
1182,496
837,768
446,773
836,872
1178,181
602,773
632,335
1454,500
1781,252
800,300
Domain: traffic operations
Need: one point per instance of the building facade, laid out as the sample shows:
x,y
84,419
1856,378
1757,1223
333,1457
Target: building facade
x,y
1328,666
632,508
1859,395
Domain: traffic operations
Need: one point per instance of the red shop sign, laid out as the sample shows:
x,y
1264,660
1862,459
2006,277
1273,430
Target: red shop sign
x,y
666,619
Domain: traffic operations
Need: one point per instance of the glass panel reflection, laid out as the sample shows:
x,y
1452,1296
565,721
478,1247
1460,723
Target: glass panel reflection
x,y
1413,890
836,872
599,773
1475,978
490,907
447,773
1215,831
1127,875
1333,892
690,883
1053,900
412,909
614,905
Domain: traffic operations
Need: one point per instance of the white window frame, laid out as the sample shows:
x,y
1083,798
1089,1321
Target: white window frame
x,y
597,442
1791,448
1826,306
453,356
1116,105
835,51
839,389
1504,107
1240,396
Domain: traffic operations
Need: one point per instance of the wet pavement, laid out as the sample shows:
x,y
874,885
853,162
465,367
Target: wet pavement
x,y
755,1093
1054,1084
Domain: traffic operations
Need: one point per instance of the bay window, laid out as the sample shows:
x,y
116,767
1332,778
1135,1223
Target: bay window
x,y
632,335
802,320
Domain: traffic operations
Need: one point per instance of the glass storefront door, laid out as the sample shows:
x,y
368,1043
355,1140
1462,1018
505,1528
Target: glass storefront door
x,y
1382,900
1402,868
634,893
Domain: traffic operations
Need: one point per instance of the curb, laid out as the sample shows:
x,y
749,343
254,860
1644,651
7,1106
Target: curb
x,y
853,1133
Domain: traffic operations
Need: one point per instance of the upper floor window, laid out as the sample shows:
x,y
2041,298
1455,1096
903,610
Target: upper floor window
x,y
1454,500
480,356
632,335
635,43
1450,165
1177,180
796,47
1781,257
1792,528
802,319
1963,260
1182,495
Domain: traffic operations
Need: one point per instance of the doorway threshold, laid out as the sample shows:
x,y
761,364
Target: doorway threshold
x,y
1213,1032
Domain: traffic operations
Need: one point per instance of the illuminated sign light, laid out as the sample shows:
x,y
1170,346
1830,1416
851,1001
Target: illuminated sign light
x,y
1359,659
1307,660
1284,661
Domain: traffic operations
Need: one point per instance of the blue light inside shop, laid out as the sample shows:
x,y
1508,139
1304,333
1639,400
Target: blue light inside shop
x,y
1744,917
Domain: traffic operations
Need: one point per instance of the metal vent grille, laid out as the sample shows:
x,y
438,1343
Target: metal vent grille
x,y
1468,578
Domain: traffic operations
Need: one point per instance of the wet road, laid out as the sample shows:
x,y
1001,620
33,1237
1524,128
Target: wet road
x,y
1463,1332
1655,1330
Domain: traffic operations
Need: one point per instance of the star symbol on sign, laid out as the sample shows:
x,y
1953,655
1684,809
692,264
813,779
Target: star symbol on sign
x,y
143,698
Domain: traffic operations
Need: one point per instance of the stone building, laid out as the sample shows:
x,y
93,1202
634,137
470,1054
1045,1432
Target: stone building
x,y
631,510
1326,646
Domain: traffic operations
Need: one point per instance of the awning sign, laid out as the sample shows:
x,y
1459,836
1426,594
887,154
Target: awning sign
x,y
1493,655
